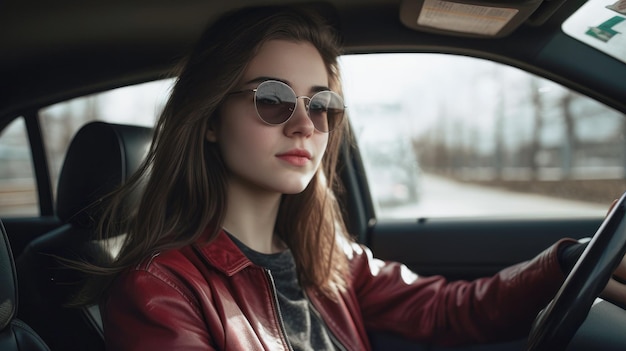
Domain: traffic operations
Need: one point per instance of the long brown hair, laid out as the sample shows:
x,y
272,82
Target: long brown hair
x,y
183,179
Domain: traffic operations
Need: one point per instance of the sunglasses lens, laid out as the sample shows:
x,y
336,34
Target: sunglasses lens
x,y
275,102
326,110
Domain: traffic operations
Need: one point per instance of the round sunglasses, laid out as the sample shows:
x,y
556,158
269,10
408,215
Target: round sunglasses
x,y
276,102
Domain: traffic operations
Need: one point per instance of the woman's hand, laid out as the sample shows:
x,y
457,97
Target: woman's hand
x,y
615,290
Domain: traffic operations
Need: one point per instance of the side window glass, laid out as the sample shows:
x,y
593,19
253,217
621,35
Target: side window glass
x,y
18,193
452,136
134,105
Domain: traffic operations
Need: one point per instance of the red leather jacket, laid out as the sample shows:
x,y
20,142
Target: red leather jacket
x,y
213,298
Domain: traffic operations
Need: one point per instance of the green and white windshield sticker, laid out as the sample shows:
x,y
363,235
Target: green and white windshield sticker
x,y
602,25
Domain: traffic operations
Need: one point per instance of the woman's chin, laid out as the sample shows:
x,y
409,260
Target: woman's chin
x,y
293,191
294,188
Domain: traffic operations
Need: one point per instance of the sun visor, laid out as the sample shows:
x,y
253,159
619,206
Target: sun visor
x,y
488,19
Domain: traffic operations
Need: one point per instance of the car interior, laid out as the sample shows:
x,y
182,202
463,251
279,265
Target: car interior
x,y
100,158
56,58
14,333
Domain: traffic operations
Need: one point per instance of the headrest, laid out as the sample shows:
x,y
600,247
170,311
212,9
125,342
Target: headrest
x,y
101,157
8,282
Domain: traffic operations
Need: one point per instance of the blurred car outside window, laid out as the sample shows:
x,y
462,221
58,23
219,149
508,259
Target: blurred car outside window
x,y
453,136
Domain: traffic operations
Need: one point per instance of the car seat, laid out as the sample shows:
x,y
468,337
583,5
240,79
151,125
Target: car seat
x,y
15,335
100,157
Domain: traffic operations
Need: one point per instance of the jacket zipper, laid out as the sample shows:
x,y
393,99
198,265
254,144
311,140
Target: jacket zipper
x,y
281,323
333,338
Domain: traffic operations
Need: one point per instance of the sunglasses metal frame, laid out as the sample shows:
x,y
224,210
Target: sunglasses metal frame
x,y
307,104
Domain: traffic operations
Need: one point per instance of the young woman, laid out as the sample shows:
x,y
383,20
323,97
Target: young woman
x,y
238,243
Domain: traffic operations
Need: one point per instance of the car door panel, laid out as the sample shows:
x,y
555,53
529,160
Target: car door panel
x,y
466,249
470,248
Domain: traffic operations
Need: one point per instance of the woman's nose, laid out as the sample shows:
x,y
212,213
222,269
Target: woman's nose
x,y
300,122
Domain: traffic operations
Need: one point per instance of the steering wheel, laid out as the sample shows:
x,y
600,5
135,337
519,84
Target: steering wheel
x,y
555,326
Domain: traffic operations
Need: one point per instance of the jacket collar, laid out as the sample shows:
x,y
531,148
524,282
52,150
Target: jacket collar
x,y
222,253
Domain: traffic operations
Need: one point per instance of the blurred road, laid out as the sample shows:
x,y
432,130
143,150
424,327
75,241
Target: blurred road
x,y
440,197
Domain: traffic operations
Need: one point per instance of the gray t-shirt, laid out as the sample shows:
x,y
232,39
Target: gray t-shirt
x,y
304,327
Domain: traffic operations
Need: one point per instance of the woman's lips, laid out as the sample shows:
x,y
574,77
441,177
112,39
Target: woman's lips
x,y
295,157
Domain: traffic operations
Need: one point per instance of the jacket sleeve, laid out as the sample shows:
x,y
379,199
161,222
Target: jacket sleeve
x,y
497,308
163,319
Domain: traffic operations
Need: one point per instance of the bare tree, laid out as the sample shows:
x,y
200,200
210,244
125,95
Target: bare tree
x,y
535,141
498,132
569,144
